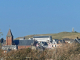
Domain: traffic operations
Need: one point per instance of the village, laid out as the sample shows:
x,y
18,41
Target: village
x,y
39,30
37,43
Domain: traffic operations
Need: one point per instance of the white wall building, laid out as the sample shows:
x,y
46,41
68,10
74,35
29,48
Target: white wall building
x,y
43,38
21,38
12,47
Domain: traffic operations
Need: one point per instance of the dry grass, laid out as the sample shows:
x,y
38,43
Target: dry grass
x,y
57,36
66,52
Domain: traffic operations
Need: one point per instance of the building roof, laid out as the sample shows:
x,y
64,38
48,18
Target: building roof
x,y
67,39
9,47
23,42
9,33
4,41
77,40
41,36
58,41
45,43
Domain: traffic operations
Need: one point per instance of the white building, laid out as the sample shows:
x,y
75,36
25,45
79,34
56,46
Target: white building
x,y
43,38
21,38
12,47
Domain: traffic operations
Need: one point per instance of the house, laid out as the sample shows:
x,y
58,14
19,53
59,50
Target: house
x,y
77,40
23,43
43,44
43,38
16,44
55,43
67,40
7,47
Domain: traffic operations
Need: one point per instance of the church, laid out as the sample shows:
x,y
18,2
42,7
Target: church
x,y
16,44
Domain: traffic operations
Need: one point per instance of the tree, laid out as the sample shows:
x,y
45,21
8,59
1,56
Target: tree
x,y
1,33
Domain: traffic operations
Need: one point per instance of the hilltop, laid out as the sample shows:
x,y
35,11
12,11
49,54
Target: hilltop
x,y
61,35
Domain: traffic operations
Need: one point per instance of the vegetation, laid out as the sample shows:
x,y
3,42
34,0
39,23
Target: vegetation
x,y
62,35
0,36
0,33
66,52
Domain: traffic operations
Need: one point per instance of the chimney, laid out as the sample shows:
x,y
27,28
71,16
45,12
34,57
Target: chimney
x,y
77,38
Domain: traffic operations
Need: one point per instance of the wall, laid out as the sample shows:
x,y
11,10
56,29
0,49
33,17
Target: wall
x,y
42,39
23,47
8,40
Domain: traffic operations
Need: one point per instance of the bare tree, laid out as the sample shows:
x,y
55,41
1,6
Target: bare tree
x,y
1,33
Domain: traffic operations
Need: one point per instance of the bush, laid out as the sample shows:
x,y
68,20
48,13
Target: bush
x,y
66,52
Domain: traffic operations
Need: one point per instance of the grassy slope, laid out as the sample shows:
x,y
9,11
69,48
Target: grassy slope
x,y
58,35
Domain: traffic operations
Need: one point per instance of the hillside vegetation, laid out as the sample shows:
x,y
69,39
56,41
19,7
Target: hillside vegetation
x,y
60,35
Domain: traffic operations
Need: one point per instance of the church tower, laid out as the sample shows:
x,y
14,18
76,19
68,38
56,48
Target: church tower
x,y
9,38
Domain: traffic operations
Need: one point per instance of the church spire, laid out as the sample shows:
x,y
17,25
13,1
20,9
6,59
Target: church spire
x,y
9,33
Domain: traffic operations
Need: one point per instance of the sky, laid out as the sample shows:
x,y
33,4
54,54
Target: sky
x,y
28,17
